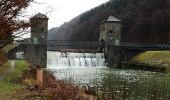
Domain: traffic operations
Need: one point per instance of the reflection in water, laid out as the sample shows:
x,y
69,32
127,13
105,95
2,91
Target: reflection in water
x,y
115,83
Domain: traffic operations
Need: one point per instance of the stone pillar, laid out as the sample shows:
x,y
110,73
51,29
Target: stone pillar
x,y
40,77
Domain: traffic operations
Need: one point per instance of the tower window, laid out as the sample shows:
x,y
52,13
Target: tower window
x,y
35,40
102,28
110,31
42,35
113,27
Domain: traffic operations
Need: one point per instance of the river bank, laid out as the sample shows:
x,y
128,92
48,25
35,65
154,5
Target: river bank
x,y
18,82
151,60
8,86
106,82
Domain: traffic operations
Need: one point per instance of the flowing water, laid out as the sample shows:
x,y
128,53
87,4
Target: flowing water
x,y
89,69
75,60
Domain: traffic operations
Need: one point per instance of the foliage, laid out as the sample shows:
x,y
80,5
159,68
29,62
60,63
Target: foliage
x,y
52,89
142,21
3,58
10,15
7,86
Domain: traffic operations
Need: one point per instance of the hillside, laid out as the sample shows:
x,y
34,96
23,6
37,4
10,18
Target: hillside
x,y
142,21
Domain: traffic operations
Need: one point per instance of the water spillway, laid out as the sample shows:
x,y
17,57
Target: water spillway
x,y
89,69
74,60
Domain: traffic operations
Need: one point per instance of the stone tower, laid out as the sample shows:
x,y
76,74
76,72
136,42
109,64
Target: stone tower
x,y
110,30
37,52
39,28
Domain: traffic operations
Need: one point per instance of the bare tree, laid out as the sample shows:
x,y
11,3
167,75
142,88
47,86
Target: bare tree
x,y
10,22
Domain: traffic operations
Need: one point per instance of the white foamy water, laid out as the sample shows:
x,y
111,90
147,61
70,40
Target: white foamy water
x,y
70,59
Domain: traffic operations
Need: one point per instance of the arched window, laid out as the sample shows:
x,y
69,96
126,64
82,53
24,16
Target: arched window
x,y
102,28
35,40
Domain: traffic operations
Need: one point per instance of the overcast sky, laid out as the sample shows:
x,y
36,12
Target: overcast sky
x,y
60,11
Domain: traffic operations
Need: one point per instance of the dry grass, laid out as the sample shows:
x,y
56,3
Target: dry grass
x,y
52,89
20,84
154,58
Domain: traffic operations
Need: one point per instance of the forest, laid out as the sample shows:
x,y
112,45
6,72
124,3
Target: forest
x,y
143,21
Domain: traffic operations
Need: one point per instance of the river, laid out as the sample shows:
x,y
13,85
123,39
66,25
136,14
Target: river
x,y
89,70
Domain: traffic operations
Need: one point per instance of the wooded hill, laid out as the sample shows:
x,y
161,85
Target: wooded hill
x,y
142,21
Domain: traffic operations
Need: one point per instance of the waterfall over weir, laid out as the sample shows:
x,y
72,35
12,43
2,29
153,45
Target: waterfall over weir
x,y
77,60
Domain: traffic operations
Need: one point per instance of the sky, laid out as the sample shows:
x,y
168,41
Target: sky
x,y
60,11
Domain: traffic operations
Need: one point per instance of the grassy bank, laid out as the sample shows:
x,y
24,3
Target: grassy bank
x,y
18,84
155,59
8,75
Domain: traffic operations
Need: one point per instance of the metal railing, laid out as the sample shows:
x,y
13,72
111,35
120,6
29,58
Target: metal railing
x,y
91,44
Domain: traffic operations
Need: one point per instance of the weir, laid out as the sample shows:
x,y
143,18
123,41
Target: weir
x,y
34,50
74,60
